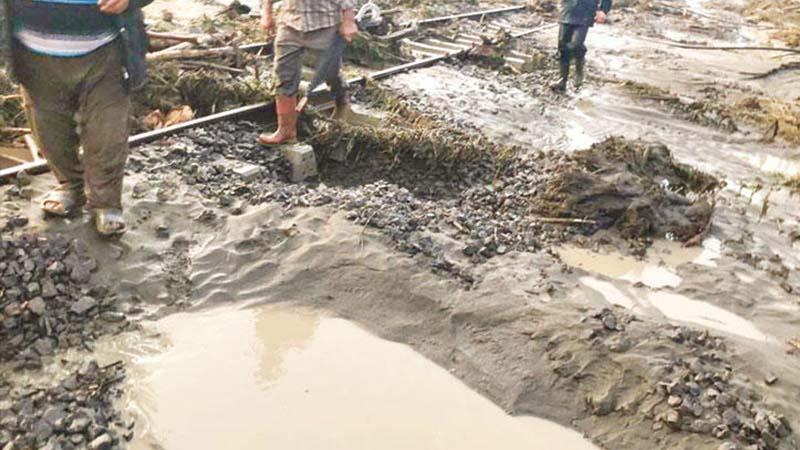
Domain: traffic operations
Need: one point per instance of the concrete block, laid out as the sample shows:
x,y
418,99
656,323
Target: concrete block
x,y
303,161
248,172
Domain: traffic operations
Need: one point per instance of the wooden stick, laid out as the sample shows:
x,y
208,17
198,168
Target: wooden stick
x,y
168,50
33,146
193,38
398,34
15,130
10,97
564,221
213,66
166,55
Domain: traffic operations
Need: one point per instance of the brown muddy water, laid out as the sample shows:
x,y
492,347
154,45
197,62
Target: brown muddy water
x,y
616,277
283,377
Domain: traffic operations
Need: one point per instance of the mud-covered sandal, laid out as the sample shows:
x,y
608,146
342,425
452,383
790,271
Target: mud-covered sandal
x,y
62,203
109,222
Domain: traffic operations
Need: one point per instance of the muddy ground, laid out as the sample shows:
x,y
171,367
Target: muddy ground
x,y
431,234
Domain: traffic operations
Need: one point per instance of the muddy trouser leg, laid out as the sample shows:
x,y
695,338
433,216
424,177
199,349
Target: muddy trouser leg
x,y
578,50
565,32
339,88
51,102
318,42
104,127
564,52
577,43
289,50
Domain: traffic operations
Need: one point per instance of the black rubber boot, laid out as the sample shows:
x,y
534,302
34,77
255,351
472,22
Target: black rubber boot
x,y
580,65
561,86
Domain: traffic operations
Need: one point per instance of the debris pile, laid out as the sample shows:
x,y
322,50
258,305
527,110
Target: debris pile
x,y
635,187
46,300
75,413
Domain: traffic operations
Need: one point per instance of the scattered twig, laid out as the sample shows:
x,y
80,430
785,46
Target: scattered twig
x,y
15,130
174,37
794,345
733,47
399,34
213,66
698,238
794,65
167,55
564,221
364,229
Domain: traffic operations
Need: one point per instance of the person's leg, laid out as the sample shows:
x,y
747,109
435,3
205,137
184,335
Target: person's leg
x,y
289,49
578,49
51,102
319,42
104,122
565,32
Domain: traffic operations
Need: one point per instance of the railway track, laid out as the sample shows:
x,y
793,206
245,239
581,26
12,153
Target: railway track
x,y
427,51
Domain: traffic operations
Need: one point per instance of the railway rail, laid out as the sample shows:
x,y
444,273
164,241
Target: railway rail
x,y
428,51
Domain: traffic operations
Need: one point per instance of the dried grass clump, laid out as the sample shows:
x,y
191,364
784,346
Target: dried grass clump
x,y
706,112
436,145
765,113
793,183
784,14
407,134
12,108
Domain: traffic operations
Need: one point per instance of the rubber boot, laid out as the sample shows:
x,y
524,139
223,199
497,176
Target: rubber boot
x,y
561,86
580,65
285,107
341,108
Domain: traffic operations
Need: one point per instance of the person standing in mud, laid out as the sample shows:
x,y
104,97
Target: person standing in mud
x,y
305,25
577,16
77,62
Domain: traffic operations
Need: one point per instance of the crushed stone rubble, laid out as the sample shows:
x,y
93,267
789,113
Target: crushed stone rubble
x,y
75,412
697,389
47,300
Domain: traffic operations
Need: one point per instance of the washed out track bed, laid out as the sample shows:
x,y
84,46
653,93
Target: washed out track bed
x,y
419,194
413,177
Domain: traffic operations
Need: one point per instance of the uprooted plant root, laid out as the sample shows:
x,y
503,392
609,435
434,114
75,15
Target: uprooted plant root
x,y
635,187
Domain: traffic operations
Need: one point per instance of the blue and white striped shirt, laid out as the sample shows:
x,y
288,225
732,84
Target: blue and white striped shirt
x,y
62,28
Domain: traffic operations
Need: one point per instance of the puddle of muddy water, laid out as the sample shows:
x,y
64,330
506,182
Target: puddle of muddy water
x,y
284,378
684,309
657,270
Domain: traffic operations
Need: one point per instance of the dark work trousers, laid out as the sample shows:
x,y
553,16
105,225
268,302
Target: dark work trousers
x,y
572,42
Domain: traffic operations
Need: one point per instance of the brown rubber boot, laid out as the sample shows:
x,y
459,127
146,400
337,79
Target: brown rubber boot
x,y
286,133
